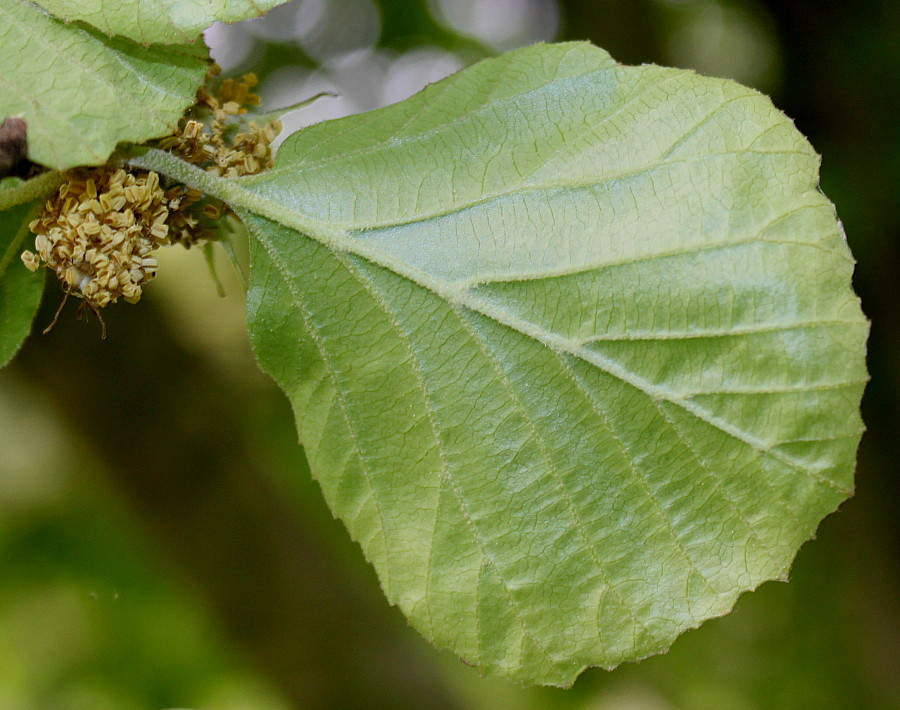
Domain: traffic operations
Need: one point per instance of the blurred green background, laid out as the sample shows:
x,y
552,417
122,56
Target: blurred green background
x,y
162,544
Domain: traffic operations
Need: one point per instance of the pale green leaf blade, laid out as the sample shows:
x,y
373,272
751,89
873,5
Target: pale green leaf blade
x,y
572,349
20,289
157,21
81,92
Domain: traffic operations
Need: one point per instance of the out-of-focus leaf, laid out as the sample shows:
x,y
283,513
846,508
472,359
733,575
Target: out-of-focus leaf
x,y
572,348
91,614
81,92
157,21
20,289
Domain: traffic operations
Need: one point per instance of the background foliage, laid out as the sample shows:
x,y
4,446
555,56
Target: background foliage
x,y
151,555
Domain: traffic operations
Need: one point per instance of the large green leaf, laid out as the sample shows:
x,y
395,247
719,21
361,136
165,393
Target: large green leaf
x,y
160,21
572,348
81,92
20,289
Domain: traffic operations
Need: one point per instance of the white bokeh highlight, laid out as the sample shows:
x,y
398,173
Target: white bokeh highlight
x,y
500,24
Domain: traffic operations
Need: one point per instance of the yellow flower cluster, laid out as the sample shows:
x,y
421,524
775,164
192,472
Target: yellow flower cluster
x,y
227,147
100,231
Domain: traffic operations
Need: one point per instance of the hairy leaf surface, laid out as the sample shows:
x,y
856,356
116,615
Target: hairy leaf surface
x,y
157,21
20,289
571,345
81,92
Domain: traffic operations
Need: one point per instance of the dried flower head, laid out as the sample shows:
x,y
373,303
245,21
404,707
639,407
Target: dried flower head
x,y
99,233
215,135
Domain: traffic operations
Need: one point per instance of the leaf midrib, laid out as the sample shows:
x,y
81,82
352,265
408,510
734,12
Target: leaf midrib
x,y
337,240
369,286
547,186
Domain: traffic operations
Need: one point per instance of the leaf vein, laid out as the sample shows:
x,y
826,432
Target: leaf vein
x,y
447,472
492,357
636,471
317,338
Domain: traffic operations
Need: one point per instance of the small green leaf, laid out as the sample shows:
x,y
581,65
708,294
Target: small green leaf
x,y
81,93
157,21
20,289
572,348
234,242
209,256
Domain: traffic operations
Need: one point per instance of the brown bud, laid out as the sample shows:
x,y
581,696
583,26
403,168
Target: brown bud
x,y
13,144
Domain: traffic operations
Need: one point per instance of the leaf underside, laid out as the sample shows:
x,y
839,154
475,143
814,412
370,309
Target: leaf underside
x,y
157,21
20,289
81,92
571,345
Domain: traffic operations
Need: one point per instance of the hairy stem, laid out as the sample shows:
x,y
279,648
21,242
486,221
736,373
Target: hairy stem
x,y
35,189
